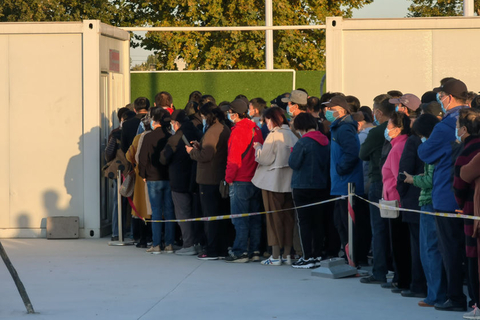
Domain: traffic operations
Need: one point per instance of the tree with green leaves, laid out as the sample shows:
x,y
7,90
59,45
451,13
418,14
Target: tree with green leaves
x,y
296,49
114,12
438,8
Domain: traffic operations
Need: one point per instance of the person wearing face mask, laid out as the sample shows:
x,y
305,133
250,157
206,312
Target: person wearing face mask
x,y
397,132
408,104
244,196
273,176
255,110
296,104
371,151
345,166
211,157
110,154
141,231
439,149
156,176
430,256
468,133
181,169
310,163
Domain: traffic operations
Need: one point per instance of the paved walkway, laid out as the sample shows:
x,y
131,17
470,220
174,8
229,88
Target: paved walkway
x,y
87,279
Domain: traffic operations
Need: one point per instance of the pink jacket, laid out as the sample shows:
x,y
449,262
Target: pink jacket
x,y
390,169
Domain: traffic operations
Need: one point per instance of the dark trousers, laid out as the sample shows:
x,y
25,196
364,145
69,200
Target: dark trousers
x,y
361,229
451,243
400,246
419,282
183,210
310,220
331,245
472,279
215,231
380,234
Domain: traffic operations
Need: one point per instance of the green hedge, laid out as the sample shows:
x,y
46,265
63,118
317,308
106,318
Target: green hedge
x,y
222,85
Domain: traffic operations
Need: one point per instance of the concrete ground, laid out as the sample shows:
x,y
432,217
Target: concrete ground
x,y
87,279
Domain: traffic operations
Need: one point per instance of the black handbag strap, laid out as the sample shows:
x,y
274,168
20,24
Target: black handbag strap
x,y
249,146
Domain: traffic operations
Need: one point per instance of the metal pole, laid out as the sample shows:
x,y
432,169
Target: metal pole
x,y
268,35
16,279
351,191
119,204
468,8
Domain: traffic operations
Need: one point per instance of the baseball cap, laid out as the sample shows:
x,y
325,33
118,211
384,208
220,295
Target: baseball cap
x,y
238,106
409,100
338,101
454,87
297,97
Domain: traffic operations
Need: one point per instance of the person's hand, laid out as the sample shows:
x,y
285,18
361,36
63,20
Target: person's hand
x,y
195,144
189,149
145,180
409,178
257,145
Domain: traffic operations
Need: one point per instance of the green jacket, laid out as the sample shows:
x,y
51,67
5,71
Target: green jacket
x,y
371,150
425,182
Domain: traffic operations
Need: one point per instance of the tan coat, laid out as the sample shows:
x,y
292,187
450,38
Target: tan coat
x,y
140,196
273,173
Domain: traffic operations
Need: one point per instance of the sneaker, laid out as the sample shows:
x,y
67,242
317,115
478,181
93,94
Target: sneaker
x,y
198,248
204,256
154,250
233,258
474,314
255,256
272,262
317,261
168,249
190,251
304,264
287,260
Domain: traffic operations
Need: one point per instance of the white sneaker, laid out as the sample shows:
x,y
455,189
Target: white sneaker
x,y
474,314
272,262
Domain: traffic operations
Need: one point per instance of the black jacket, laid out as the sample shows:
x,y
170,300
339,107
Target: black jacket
x,y
409,194
129,131
181,168
149,166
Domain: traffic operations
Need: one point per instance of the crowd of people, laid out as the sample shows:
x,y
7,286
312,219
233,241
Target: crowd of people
x,y
211,159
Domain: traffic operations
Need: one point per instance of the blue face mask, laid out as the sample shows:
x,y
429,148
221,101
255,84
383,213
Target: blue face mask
x,y
375,121
396,109
288,111
459,138
204,122
151,125
229,116
329,115
423,139
249,113
387,137
441,103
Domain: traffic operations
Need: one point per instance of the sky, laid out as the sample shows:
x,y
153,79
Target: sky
x,y
377,9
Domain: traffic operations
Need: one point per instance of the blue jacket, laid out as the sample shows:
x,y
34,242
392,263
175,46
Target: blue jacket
x,y
439,151
310,161
345,165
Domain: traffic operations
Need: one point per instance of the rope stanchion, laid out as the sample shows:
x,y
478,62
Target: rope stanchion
x,y
242,215
438,214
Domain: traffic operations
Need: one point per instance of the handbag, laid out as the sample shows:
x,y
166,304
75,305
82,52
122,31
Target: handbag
x,y
128,185
224,188
388,213
110,170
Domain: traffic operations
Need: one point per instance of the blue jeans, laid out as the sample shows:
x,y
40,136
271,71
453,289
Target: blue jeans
x,y
431,258
246,198
380,234
162,205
